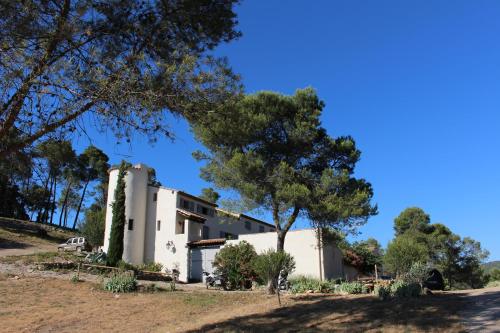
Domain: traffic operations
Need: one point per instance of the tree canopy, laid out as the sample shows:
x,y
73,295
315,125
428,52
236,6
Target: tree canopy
x,y
273,151
418,240
210,195
411,218
123,63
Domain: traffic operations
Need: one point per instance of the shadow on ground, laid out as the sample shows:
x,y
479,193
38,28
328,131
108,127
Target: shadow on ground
x,y
483,314
437,313
11,244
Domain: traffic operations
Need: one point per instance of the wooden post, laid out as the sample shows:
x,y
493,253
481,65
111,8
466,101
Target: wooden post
x,y
376,273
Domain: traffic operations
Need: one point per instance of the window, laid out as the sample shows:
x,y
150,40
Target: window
x,y
248,226
179,229
211,212
131,224
80,240
227,235
155,196
158,225
206,232
261,228
74,240
186,204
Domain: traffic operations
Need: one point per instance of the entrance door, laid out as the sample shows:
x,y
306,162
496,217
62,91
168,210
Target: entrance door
x,y
201,261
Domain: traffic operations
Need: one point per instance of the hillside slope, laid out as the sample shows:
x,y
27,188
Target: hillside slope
x,y
23,237
489,266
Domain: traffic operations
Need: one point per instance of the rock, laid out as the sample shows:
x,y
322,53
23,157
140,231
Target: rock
x,y
117,296
16,277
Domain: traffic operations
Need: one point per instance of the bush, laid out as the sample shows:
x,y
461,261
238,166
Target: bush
x,y
493,284
121,283
75,278
383,292
236,264
418,274
125,266
352,288
270,263
403,289
301,284
151,267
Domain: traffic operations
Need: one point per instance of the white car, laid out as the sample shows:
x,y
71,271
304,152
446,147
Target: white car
x,y
77,244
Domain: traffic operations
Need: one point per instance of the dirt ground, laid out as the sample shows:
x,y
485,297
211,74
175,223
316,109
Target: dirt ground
x,y
33,301
46,301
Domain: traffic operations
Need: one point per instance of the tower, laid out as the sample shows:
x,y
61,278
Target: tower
x,y
136,185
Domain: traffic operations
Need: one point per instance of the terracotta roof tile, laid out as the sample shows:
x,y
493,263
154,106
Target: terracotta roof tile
x,y
207,242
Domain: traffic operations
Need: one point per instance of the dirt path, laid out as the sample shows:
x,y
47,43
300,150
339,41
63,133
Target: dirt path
x,y
483,313
26,250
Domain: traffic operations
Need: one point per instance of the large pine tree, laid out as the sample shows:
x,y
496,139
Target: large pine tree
x,y
115,250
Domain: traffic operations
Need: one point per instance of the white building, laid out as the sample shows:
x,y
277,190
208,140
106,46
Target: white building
x,y
185,232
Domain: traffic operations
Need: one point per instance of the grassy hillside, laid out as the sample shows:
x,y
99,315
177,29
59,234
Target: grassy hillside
x,y
21,234
489,266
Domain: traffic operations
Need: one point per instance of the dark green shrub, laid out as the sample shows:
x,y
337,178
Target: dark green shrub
x,y
383,292
115,250
125,266
236,264
352,288
270,263
403,289
122,282
302,284
151,267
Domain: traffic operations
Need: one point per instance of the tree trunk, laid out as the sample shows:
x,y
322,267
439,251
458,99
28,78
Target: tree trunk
x,y
280,245
80,204
65,202
53,201
45,216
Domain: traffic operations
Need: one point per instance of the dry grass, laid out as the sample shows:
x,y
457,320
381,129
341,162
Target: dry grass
x,y
39,305
41,257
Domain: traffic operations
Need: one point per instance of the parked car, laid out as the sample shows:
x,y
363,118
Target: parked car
x,y
77,244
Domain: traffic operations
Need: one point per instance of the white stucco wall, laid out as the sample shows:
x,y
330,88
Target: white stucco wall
x,y
113,177
136,180
165,246
136,186
303,246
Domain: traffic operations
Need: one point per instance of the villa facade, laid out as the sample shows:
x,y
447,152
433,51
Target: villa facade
x,y
183,231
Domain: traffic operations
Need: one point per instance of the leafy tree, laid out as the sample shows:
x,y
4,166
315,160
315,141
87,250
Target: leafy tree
x,y
272,150
58,156
115,250
370,254
270,264
210,195
12,201
460,259
494,274
412,218
93,225
235,263
124,62
402,253
35,198
92,165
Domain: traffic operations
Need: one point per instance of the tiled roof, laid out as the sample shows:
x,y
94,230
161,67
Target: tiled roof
x,y
192,216
207,242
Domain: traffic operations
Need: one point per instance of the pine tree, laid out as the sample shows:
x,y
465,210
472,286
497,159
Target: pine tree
x,y
115,250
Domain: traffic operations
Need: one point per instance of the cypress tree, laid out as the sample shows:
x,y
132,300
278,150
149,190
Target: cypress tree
x,y
115,250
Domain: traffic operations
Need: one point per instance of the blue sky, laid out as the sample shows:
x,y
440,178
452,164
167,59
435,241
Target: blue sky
x,y
416,83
